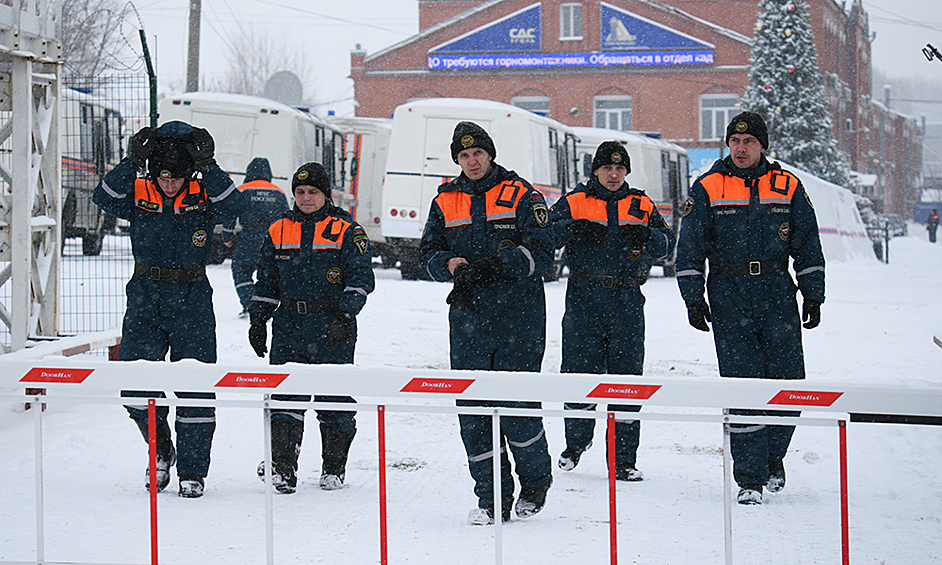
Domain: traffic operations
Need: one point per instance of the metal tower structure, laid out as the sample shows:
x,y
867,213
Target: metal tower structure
x,y
30,177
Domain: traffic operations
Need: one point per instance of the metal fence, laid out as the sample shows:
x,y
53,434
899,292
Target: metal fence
x,y
97,116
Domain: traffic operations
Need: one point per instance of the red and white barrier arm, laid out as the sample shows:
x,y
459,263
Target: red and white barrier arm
x,y
904,404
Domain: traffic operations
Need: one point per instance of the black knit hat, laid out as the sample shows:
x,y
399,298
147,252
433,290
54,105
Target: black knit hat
x,y
258,169
611,153
751,123
170,160
468,135
311,174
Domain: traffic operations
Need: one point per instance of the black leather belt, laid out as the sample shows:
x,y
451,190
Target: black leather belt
x,y
750,268
606,281
310,306
170,275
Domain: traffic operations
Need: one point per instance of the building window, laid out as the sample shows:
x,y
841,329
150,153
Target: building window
x,y
536,104
570,21
716,110
613,112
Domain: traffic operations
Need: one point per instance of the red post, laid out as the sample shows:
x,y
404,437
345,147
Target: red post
x,y
845,499
612,514
381,420
152,455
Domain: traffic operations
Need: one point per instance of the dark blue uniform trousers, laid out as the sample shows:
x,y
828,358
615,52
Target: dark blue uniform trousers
x,y
757,332
496,350
244,256
299,338
174,317
754,446
603,333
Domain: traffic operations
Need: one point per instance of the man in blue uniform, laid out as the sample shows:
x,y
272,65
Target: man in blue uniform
x,y
169,301
612,234
265,203
747,216
488,231
314,273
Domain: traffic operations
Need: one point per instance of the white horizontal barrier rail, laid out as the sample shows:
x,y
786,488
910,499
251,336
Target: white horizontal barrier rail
x,y
60,376
86,381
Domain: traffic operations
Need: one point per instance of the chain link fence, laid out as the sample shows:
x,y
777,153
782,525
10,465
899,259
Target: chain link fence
x,y
97,116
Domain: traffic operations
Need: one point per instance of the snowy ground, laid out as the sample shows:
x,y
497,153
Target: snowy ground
x,y
877,327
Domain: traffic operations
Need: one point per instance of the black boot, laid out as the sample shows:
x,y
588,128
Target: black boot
x,y
285,448
335,445
166,454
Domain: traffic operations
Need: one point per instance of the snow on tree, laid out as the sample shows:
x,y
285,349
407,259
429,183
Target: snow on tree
x,y
786,89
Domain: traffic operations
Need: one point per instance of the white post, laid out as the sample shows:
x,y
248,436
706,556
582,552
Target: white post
x,y
498,490
269,510
40,506
22,202
727,489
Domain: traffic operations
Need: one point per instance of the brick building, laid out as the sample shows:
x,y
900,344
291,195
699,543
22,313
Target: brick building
x,y
674,67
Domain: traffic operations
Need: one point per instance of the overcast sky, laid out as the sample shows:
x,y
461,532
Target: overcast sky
x,y
328,31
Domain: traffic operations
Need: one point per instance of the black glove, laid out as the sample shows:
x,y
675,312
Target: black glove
x,y
811,314
588,231
636,235
201,148
462,295
141,145
698,314
258,337
341,329
482,273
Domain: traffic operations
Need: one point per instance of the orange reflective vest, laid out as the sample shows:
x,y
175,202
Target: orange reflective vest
x,y
148,197
264,184
634,209
328,233
775,187
502,203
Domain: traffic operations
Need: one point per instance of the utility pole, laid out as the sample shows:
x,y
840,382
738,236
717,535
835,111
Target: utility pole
x,y
193,48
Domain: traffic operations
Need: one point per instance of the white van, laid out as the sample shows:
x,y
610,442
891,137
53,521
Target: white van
x,y
245,127
367,147
539,149
658,167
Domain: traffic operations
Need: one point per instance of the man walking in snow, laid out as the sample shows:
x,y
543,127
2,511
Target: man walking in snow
x,y
747,216
265,203
488,231
172,212
932,224
314,273
612,233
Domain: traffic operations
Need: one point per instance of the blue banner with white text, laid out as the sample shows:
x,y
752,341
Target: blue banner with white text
x,y
563,60
519,31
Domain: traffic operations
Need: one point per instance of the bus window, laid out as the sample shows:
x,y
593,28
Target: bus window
x,y
554,174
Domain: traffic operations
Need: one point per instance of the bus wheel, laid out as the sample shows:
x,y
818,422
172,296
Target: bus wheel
x,y
91,243
409,265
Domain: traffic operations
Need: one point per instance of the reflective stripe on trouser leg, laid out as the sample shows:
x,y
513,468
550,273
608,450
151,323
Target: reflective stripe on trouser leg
x,y
627,435
476,434
752,446
527,440
195,426
579,431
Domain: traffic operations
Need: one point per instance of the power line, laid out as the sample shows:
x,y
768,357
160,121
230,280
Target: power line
x,y
334,18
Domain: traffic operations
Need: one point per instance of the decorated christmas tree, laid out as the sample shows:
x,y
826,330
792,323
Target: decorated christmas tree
x,y
785,88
